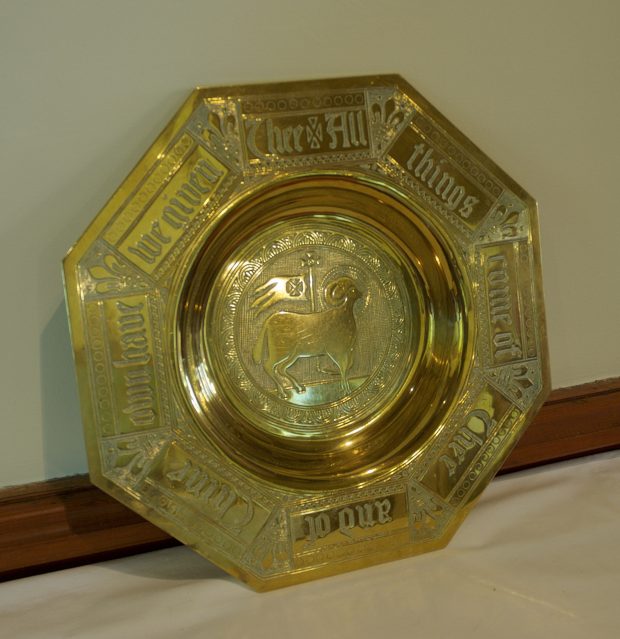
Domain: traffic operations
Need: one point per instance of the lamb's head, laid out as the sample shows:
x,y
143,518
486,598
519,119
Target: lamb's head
x,y
340,291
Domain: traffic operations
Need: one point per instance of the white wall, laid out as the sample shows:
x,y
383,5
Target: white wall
x,y
86,86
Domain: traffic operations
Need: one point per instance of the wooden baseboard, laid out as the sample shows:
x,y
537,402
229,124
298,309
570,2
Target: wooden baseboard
x,y
574,421
68,522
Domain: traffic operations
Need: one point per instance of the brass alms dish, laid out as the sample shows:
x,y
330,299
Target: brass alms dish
x,y
308,327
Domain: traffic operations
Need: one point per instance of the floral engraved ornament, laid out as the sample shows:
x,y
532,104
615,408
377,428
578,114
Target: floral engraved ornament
x,y
110,276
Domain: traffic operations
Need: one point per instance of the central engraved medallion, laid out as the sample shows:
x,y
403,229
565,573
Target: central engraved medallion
x,y
316,330
313,322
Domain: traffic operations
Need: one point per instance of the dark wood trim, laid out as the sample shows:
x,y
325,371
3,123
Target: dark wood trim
x,y
68,522
574,421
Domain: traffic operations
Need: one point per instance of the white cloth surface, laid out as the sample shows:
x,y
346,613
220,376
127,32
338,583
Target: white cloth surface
x,y
537,557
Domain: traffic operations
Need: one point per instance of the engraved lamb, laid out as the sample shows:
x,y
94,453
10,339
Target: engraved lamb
x,y
287,336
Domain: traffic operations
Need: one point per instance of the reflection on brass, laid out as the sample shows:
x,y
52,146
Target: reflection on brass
x,y
308,327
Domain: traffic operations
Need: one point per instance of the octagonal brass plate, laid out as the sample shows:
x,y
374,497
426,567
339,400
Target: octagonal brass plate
x,y
308,327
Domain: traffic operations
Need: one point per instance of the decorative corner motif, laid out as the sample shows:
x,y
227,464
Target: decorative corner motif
x,y
104,272
428,513
126,459
216,125
271,553
520,382
390,112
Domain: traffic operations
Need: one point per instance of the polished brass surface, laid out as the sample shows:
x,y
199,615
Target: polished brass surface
x,y
308,327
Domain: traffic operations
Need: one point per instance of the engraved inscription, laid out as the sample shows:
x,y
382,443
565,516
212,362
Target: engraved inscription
x,y
430,170
344,520
131,325
342,530
466,482
440,177
163,500
131,351
100,374
468,437
166,219
443,142
503,303
205,490
220,497
169,165
140,400
301,134
472,434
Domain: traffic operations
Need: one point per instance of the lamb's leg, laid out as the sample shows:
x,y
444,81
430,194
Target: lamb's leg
x,y
344,364
300,388
281,370
270,369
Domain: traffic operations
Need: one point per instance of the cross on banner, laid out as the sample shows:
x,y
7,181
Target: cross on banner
x,y
288,287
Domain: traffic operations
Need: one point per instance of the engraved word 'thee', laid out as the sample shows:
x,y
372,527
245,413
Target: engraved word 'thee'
x,y
468,437
299,134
